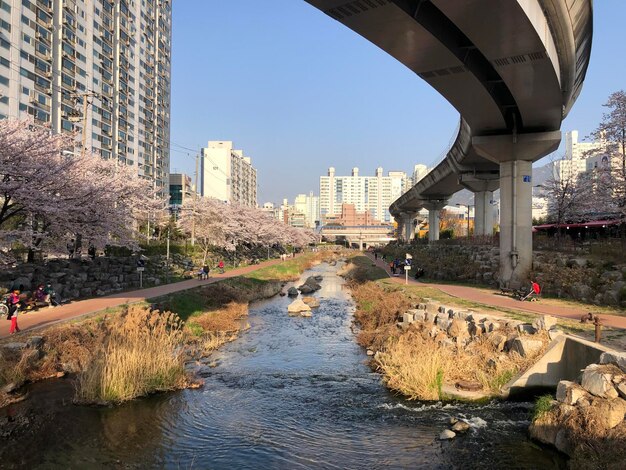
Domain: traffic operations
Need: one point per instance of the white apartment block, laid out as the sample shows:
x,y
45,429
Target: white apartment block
x,y
308,206
97,67
419,171
227,175
367,193
577,156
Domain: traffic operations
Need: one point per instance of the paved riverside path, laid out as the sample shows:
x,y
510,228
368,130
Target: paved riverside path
x,y
494,299
47,316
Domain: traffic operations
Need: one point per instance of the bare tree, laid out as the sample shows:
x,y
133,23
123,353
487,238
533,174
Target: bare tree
x,y
568,196
611,173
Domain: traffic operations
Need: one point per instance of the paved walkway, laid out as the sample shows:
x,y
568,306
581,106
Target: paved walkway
x,y
48,316
495,299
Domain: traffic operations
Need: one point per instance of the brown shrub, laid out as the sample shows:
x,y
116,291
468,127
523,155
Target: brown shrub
x,y
223,320
377,307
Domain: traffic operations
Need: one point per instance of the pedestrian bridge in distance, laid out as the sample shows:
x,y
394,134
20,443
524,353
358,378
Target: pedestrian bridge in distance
x,y
512,69
362,236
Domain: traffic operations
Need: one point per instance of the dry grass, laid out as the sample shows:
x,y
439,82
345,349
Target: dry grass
x,y
226,319
377,307
416,364
143,354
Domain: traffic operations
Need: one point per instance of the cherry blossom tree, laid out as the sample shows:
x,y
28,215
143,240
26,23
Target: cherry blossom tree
x,y
232,226
48,197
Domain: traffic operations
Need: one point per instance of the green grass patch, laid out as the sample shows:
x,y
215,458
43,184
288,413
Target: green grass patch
x,y
500,380
285,271
542,406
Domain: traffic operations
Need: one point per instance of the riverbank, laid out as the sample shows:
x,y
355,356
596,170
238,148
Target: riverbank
x,y
427,351
116,341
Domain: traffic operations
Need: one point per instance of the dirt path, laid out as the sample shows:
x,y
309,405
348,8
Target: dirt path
x,y
495,299
48,316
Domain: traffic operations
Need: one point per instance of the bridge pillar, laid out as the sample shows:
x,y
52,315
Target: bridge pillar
x,y
515,154
482,185
406,226
483,213
433,218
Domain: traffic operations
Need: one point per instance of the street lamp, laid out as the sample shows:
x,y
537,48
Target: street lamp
x,y
468,216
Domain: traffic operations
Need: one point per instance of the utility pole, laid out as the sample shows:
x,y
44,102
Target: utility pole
x,y
195,197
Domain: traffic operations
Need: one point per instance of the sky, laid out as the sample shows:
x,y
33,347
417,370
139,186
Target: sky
x,y
298,92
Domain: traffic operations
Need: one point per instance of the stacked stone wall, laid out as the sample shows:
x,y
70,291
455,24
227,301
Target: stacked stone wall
x,y
73,279
559,274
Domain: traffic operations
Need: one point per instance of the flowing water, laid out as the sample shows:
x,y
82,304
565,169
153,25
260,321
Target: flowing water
x,y
290,393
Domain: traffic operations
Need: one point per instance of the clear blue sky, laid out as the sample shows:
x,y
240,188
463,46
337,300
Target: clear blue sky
x,y
299,92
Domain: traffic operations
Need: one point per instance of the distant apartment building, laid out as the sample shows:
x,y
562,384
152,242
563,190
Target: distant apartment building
x,y
368,193
308,206
350,217
419,171
227,175
100,68
578,157
181,189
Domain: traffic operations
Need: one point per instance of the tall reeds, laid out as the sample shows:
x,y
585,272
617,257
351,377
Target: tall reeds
x,y
143,353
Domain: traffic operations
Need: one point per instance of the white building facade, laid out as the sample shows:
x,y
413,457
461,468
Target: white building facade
x,y
577,157
100,68
308,206
227,175
367,193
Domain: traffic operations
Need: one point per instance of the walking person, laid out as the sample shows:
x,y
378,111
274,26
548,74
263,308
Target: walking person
x,y
13,304
220,266
206,270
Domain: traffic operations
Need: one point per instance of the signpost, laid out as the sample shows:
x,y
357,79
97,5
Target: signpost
x,y
141,266
407,267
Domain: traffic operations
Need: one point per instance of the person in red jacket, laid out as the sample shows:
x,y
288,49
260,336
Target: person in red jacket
x,y
13,301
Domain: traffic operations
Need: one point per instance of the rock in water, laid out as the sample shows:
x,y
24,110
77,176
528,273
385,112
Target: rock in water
x,y
446,434
311,302
460,426
298,306
292,292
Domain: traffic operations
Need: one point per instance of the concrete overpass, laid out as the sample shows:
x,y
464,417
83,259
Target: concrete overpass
x,y
513,69
362,236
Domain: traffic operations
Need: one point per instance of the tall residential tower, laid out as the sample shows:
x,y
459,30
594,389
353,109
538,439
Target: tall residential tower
x,y
98,67
226,174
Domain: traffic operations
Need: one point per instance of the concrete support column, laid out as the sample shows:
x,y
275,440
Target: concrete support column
x,y
409,228
483,213
516,242
433,218
515,154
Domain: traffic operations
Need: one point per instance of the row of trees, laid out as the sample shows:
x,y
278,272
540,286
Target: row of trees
x,y
50,195
599,193
227,226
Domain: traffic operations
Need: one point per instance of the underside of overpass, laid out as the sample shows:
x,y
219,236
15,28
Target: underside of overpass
x,y
513,69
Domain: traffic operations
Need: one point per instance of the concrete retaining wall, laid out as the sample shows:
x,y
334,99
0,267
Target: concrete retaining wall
x,y
565,358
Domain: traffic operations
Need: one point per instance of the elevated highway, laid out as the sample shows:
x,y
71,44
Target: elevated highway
x,y
513,69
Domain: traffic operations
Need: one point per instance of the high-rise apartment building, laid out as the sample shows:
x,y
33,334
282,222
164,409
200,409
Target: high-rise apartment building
x,y
227,175
577,156
308,206
98,67
368,193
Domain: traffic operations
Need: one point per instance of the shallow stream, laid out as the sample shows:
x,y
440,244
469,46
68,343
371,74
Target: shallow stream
x,y
290,393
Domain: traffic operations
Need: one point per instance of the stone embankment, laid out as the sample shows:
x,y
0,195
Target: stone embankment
x,y
559,274
500,346
586,421
74,279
